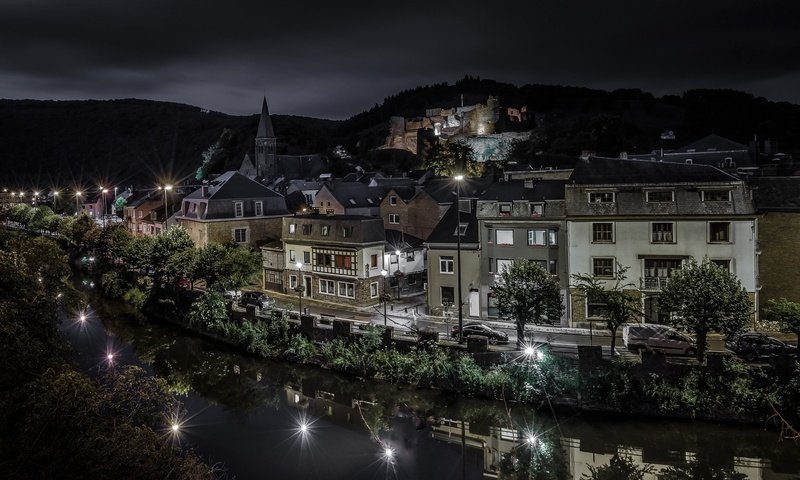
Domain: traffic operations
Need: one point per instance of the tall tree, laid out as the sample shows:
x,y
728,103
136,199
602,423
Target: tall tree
x,y
528,293
452,158
787,314
167,244
704,297
615,293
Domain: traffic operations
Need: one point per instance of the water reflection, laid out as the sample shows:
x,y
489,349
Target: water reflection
x,y
271,420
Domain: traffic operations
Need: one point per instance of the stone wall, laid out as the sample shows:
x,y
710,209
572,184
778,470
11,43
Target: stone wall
x,y
779,239
259,230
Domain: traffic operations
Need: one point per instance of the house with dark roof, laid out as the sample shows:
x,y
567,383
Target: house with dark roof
x,y
138,208
404,258
349,198
651,217
410,209
712,150
519,219
232,208
443,262
777,201
335,258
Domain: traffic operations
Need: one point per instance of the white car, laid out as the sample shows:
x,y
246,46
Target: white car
x,y
232,294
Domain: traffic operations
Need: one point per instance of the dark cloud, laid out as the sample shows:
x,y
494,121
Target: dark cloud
x,y
333,59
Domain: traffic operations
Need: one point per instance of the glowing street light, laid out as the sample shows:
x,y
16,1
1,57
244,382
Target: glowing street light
x,y
459,178
166,188
55,200
529,351
384,297
77,207
531,439
104,191
175,427
299,289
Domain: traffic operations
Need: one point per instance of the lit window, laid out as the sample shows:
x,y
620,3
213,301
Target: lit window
x,y
326,230
505,237
537,237
662,233
292,228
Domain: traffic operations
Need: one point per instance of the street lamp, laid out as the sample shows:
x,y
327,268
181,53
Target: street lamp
x,y
77,207
55,200
166,188
35,197
459,179
299,289
104,191
384,297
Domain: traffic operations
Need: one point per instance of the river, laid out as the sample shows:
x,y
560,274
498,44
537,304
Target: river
x,y
267,420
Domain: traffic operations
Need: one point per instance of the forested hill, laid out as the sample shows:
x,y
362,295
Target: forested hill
x,y
131,141
572,119
144,142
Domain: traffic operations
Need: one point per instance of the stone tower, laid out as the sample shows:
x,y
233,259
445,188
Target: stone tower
x,y
266,164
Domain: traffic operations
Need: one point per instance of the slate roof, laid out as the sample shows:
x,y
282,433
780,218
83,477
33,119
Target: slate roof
x,y
265,123
397,240
445,231
541,190
442,189
777,194
356,194
233,185
711,143
615,171
405,193
393,182
710,150
137,199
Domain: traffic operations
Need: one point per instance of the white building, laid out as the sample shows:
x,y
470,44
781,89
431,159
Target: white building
x,y
651,217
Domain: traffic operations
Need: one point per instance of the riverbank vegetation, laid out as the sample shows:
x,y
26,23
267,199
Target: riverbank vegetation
x,y
56,421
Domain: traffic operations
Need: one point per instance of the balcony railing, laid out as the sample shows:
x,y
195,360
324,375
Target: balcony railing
x,y
653,283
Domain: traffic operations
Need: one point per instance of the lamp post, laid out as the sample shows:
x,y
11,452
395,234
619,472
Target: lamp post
x,y
384,297
458,179
55,201
104,191
77,206
299,288
167,188
35,198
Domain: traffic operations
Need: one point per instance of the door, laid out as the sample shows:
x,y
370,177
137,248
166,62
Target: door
x,y
651,309
307,281
474,307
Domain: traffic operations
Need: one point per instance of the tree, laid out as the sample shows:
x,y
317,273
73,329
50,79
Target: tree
x,y
451,158
618,468
113,242
704,297
528,293
167,244
183,264
84,231
615,293
787,314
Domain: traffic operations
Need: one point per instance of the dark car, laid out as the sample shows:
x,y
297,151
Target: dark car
x,y
753,346
256,298
474,328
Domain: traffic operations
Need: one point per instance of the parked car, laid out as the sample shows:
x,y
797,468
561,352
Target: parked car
x,y
657,338
258,299
231,294
753,345
475,328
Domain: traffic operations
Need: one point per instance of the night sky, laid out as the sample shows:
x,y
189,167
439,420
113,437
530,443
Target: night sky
x,y
333,59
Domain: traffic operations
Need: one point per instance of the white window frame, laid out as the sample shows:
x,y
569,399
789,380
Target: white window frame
x,y
447,264
533,236
703,192
349,287
613,267
292,256
604,192
730,233
671,200
292,228
246,234
659,242
393,200
505,232
552,237
259,207
537,209
613,232
327,287
394,218
238,209
292,281
373,290
503,205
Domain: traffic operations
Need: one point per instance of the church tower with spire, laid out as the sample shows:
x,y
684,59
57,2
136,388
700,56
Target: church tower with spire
x,y
266,163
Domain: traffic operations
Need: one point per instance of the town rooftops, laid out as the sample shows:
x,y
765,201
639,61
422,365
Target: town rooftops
x,y
340,229
443,189
232,185
615,171
445,232
355,194
530,190
397,240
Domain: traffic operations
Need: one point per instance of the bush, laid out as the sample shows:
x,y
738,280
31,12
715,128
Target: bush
x,y
613,386
300,349
209,313
135,297
114,285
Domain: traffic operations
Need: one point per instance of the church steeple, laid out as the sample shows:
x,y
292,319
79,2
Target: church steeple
x,y
266,165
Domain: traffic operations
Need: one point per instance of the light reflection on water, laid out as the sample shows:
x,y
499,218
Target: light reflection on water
x,y
264,419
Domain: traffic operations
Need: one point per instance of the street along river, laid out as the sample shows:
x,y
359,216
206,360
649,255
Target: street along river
x,y
267,420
